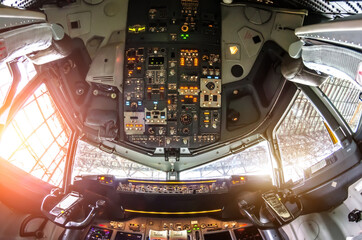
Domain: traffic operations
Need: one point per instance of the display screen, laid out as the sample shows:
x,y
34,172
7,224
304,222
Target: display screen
x,y
99,234
218,236
156,60
128,236
67,202
247,233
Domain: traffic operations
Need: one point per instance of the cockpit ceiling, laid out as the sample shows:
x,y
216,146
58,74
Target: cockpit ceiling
x,y
194,89
334,8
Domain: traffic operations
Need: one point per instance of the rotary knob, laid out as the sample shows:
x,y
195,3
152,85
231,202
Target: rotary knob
x,y
186,119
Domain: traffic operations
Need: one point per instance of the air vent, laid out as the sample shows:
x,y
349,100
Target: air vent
x,y
105,66
103,79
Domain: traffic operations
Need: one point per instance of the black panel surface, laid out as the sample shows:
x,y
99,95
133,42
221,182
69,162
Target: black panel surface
x,y
218,236
251,233
128,236
99,234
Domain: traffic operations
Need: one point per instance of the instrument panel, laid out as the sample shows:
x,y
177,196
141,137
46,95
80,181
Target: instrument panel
x,y
151,187
172,83
148,209
173,198
199,228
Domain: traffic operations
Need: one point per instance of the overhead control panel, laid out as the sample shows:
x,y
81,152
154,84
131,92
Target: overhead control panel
x,y
172,78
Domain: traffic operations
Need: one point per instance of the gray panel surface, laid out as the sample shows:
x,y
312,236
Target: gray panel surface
x,y
249,28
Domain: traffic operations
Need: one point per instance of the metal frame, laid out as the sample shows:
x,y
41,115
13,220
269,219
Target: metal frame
x,y
69,163
331,115
17,104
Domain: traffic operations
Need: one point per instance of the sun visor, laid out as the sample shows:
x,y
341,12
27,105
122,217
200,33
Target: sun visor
x,y
25,40
12,17
333,60
58,50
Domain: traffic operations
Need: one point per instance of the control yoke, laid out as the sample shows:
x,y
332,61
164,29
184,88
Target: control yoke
x,y
275,205
61,212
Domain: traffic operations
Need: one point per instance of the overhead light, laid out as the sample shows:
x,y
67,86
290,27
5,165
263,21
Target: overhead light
x,y
162,182
233,49
173,213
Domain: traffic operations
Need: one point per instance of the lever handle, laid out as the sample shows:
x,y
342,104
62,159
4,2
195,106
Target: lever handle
x,y
89,218
244,209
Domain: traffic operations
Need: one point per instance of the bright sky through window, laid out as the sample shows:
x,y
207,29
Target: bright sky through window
x,y
37,139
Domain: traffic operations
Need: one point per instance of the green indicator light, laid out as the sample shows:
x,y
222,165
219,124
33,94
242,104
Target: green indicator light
x,y
185,36
195,225
194,229
198,228
188,231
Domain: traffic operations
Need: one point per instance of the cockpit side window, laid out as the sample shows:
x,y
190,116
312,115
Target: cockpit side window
x,y
304,140
345,96
37,138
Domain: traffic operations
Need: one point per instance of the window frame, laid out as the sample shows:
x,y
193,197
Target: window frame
x,y
74,126
20,99
348,155
286,114
339,115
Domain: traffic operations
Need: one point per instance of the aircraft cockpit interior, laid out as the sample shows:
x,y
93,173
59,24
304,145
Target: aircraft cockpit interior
x,y
180,119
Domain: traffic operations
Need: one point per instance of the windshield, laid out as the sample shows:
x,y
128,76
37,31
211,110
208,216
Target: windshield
x,y
254,160
90,160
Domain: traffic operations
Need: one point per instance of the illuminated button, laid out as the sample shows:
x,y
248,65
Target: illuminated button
x,y
184,28
196,62
233,49
217,72
204,71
